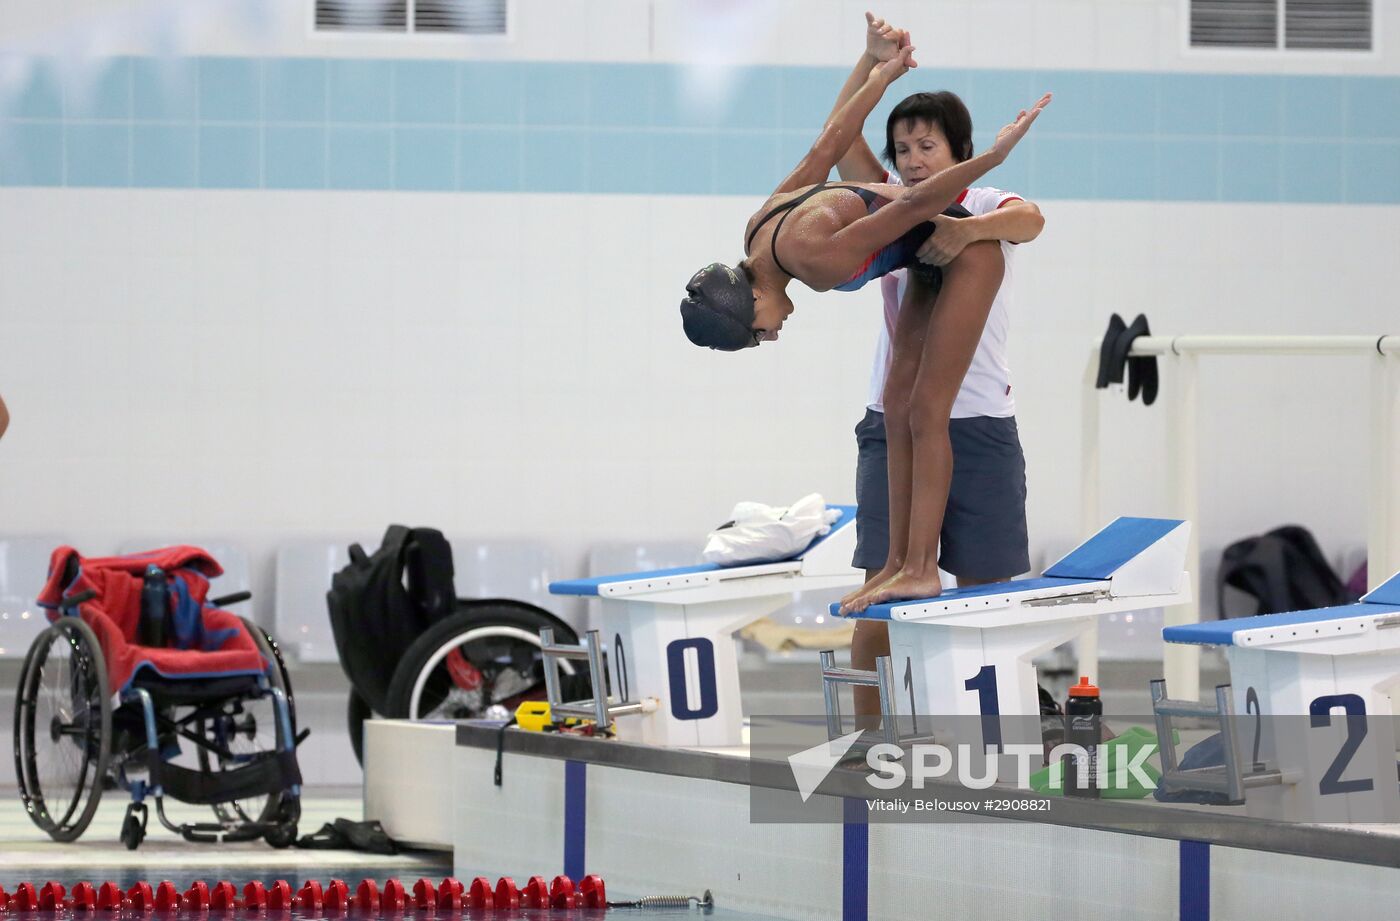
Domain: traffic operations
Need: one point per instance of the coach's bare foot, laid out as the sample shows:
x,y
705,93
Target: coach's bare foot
x,y
871,584
907,586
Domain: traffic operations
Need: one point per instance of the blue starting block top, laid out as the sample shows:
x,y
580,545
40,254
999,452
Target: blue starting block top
x,y
1102,555
1223,632
1388,592
1042,587
591,586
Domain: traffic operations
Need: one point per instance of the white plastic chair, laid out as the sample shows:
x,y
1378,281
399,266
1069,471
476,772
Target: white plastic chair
x,y
301,621
24,567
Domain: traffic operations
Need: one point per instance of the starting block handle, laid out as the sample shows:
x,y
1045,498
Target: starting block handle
x,y
590,651
1230,779
882,678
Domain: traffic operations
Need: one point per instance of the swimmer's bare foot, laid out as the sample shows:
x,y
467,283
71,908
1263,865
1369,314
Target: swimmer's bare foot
x,y
871,584
907,586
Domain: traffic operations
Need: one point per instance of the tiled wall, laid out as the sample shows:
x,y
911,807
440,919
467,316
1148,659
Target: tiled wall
x,y
473,126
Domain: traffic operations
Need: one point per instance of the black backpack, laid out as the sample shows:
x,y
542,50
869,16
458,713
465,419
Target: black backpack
x,y
380,603
1283,570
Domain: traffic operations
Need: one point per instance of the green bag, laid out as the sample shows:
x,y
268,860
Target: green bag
x,y
1118,753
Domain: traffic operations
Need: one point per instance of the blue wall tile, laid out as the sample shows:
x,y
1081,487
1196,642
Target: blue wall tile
x,y
1127,104
806,95
1125,169
164,89
556,95
425,92
685,162
163,156
97,155
746,163
1014,174
555,160
1188,170
1176,136
1311,171
294,90
361,90
31,153
1075,108
425,159
1313,107
230,89
40,95
294,157
792,147
752,100
621,161
933,79
490,93
229,157
490,160
1372,173
358,158
625,95
1373,107
1251,105
1249,170
1188,104
98,89
995,96
1061,167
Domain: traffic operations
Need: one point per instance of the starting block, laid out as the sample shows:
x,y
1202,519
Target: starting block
x,y
667,646
969,651
1336,672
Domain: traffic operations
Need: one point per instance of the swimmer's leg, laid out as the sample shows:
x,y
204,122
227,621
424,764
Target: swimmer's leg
x,y
907,347
970,284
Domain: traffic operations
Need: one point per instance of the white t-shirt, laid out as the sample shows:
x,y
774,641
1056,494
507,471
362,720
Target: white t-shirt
x,y
986,390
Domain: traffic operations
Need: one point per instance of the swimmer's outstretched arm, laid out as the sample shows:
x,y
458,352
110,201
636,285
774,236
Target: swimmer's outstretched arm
x,y
882,42
845,125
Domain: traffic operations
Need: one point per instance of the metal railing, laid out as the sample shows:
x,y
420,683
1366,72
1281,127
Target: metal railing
x,y
1182,663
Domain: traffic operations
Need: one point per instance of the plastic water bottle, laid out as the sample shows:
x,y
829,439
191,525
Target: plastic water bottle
x,y
1083,715
155,607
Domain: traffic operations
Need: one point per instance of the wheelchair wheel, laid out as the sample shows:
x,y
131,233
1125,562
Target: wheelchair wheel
x,y
63,728
247,729
486,653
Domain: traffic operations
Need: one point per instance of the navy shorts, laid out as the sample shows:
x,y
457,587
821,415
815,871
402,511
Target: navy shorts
x,y
984,528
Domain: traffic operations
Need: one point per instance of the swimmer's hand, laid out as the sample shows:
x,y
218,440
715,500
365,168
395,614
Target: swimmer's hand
x,y
1011,135
897,66
882,40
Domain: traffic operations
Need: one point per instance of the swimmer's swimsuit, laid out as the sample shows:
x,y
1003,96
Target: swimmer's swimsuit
x,y
902,253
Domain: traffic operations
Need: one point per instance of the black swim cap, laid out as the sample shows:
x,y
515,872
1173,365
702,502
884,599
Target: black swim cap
x,y
718,309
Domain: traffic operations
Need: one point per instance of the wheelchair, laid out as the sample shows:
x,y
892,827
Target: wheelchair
x,y
413,650
144,684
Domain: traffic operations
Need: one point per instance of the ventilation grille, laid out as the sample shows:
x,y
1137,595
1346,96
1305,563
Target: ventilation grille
x,y
464,17
1344,24
362,15
1306,24
1234,23
457,17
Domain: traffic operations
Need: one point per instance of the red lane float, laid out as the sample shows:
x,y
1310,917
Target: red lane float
x,y
335,898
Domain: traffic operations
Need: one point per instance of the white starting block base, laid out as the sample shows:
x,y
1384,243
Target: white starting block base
x,y
669,634
1321,666
970,651
664,821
